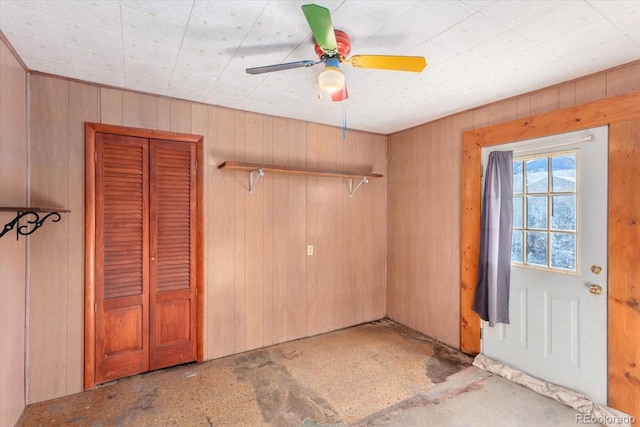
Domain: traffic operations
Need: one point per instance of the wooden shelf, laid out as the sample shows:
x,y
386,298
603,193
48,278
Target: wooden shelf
x,y
27,209
260,170
249,167
32,216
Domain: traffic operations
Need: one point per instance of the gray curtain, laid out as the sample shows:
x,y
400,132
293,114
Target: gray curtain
x,y
491,300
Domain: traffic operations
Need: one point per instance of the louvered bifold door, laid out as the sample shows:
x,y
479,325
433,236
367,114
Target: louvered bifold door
x,y
173,253
122,285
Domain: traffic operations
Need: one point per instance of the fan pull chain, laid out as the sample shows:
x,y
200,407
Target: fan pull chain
x,y
344,119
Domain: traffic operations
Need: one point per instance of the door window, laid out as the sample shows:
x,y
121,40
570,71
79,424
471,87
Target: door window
x,y
545,222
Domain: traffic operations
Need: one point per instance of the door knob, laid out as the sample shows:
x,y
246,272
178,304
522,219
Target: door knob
x,y
595,289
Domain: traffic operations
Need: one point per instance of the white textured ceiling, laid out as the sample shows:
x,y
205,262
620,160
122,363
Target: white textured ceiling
x,y
477,51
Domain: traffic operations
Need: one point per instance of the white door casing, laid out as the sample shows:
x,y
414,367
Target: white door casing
x,y
558,328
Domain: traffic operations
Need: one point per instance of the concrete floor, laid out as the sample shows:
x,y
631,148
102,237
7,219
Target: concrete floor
x,y
377,374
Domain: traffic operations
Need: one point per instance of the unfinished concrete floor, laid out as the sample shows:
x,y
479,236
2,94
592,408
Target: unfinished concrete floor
x,y
377,374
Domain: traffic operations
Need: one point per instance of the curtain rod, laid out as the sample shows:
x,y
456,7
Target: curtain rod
x,y
583,139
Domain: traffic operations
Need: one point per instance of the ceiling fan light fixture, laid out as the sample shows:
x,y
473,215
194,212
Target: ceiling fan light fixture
x,y
331,78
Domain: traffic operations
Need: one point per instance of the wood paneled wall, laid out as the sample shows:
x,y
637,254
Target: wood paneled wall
x,y
424,192
56,330
258,246
423,228
13,192
261,287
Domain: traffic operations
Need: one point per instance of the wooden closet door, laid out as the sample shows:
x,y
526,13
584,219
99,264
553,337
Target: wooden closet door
x,y
122,253
172,267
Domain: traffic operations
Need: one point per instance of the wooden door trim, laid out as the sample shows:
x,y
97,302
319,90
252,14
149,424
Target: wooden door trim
x,y
91,129
598,113
89,256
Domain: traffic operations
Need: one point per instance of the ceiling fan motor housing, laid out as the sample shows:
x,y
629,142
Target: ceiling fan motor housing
x,y
344,45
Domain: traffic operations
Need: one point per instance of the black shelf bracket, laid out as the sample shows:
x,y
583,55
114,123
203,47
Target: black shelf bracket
x,y
34,217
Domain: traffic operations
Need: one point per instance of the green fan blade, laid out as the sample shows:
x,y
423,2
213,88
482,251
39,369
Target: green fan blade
x,y
319,20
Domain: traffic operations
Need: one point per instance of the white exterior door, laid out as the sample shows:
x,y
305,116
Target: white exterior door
x,y
558,291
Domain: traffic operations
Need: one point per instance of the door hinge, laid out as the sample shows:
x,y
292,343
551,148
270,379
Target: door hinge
x,y
481,170
95,157
95,307
481,329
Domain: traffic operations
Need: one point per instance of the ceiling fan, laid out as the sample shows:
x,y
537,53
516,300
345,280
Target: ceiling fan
x,y
333,47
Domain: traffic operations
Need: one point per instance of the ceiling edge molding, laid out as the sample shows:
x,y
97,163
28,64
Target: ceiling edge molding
x,y
13,51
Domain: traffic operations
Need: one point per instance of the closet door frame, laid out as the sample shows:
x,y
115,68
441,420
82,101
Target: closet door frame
x,y
91,129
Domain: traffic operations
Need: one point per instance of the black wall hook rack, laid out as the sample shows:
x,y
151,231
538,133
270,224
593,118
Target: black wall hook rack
x,y
33,218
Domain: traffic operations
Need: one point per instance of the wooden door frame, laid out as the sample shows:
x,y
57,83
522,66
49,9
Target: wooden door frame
x,y
90,234
604,112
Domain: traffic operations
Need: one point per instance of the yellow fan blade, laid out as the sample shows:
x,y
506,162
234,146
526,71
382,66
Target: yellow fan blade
x,y
387,62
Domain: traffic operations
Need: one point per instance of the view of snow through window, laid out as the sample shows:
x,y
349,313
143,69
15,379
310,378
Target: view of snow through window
x,y
544,209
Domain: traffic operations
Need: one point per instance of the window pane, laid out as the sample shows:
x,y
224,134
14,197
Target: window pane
x,y
537,175
517,177
544,235
517,212
516,246
563,250
537,212
563,173
537,248
563,212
